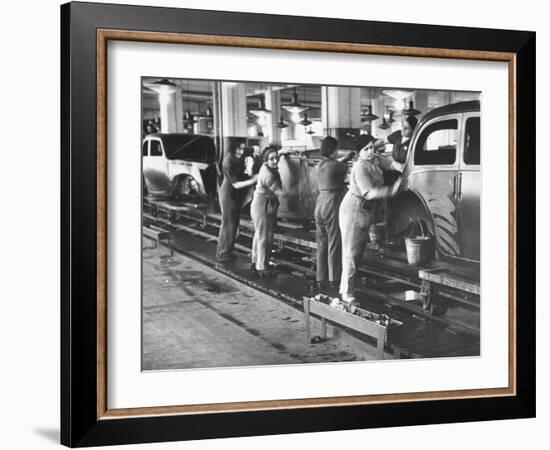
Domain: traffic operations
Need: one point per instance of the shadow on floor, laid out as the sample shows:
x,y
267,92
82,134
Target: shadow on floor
x,y
50,434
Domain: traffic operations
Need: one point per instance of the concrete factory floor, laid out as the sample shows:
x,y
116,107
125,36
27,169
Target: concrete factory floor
x,y
196,317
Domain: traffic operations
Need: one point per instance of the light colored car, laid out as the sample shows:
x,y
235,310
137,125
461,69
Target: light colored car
x,y
441,181
179,165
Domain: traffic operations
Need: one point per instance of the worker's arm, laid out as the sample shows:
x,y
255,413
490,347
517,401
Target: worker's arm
x,y
368,190
346,158
245,183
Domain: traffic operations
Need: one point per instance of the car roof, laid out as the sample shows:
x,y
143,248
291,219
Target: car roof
x,y
453,108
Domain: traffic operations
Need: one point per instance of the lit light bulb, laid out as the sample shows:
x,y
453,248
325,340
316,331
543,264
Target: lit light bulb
x,y
295,117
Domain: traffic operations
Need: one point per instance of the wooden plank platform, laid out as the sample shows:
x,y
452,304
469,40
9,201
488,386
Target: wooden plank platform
x,y
346,319
454,280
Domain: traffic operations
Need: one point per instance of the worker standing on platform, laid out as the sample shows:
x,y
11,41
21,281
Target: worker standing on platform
x,y
359,205
230,202
331,174
263,210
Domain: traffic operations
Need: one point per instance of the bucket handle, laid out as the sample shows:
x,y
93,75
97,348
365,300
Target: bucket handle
x,y
419,223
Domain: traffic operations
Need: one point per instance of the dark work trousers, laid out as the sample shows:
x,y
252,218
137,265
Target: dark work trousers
x,y
264,217
230,205
355,221
327,235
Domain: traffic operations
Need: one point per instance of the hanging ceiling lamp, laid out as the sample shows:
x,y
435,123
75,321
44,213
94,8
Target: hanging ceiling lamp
x,y
411,111
260,111
163,86
397,94
384,125
310,131
294,107
305,121
390,113
367,115
281,123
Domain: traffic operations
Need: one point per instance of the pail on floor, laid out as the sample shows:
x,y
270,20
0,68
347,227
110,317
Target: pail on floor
x,y
419,250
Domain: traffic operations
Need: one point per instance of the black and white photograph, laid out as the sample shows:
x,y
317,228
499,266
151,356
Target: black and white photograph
x,y
291,223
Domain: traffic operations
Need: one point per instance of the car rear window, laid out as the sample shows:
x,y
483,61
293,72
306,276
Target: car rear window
x,y
155,149
472,141
437,144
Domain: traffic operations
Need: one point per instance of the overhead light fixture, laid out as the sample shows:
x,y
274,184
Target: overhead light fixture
x,y
397,94
384,125
294,107
390,113
367,115
305,121
162,87
411,111
260,111
310,131
281,123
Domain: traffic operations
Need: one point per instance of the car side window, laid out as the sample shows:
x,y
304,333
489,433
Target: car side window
x,y
155,149
437,144
472,141
145,148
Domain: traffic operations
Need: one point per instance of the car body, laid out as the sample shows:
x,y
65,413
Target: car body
x,y
179,165
441,181
298,172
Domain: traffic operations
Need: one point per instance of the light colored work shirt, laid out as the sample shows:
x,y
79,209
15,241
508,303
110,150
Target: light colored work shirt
x,y
268,183
368,175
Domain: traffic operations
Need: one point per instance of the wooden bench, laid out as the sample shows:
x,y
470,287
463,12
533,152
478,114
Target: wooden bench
x,y
157,234
431,278
348,320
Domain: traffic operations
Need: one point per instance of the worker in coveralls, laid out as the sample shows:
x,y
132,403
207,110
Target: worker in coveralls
x,y
263,210
358,208
331,174
230,202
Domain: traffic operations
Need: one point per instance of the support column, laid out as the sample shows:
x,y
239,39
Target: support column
x,y
273,103
341,113
233,115
168,107
421,102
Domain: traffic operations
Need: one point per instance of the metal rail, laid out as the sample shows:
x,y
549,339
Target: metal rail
x,y
213,221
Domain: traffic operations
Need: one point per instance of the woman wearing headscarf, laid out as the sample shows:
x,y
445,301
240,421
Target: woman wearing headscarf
x,y
331,174
358,208
230,202
263,210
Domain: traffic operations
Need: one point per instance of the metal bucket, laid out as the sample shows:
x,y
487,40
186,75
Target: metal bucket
x,y
419,250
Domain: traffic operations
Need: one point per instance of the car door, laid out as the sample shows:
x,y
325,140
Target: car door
x,y
155,168
469,186
433,177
